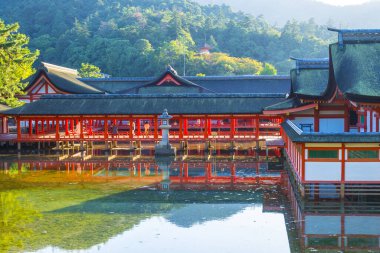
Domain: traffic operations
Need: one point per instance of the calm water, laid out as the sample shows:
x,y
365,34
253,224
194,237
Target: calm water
x,y
141,205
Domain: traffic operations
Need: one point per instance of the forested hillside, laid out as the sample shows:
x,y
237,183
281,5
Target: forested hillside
x,y
139,37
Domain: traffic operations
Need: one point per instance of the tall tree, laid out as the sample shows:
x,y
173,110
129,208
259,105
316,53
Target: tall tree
x,y
16,61
89,70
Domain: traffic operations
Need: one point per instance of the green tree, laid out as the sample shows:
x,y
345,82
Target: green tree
x,y
89,70
16,62
268,69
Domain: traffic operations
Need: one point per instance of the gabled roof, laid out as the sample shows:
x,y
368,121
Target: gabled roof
x,y
355,64
172,82
148,104
217,84
310,78
64,79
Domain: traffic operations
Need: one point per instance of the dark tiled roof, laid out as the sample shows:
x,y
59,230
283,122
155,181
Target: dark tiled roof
x,y
356,69
287,104
114,85
4,108
64,79
148,104
245,84
161,85
309,83
218,84
296,135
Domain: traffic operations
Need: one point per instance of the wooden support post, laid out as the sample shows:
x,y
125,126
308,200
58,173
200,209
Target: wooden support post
x,y
316,120
232,127
257,127
209,126
206,128
43,126
30,127
185,125
72,125
130,127
81,127
138,126
66,127
155,126
180,127
106,128
57,129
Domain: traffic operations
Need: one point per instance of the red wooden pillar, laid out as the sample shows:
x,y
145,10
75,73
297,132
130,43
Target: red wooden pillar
x,y
30,127
232,127
72,125
43,126
138,126
302,162
81,127
180,126
105,128
316,120
57,129
257,127
155,126
185,129
66,127
209,126
206,127
130,127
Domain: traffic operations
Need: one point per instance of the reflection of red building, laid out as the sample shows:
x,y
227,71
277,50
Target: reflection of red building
x,y
182,175
334,226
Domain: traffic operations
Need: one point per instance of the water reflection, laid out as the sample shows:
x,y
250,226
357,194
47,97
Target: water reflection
x,y
198,205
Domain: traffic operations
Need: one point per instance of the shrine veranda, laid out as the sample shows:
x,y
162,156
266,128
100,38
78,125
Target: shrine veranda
x,y
325,115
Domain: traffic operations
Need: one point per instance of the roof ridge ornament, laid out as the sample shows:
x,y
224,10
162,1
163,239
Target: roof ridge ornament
x,y
171,69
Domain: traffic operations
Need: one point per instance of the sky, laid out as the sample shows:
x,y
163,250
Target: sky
x,y
344,2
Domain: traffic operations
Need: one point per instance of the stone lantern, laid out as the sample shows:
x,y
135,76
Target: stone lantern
x,y
163,148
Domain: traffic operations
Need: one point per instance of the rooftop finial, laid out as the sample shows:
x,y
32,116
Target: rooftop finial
x,y
171,69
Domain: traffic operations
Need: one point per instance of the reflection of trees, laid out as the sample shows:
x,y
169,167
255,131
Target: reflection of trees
x,y
16,218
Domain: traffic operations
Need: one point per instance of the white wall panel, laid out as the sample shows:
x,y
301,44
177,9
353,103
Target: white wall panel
x,y
323,171
362,171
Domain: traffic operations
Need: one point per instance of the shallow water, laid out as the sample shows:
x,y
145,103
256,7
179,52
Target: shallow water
x,y
196,205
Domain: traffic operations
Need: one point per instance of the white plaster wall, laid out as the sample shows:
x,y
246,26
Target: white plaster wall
x,y
363,171
322,171
362,225
322,225
331,125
